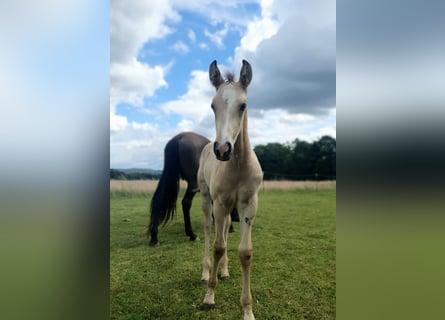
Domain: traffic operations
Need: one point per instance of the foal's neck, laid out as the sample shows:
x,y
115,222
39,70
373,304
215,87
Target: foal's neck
x,y
242,147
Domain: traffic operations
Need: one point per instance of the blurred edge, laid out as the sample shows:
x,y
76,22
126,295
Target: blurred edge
x,y
54,205
390,209
54,163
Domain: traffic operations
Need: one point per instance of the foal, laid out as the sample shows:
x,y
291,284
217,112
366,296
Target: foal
x,y
229,175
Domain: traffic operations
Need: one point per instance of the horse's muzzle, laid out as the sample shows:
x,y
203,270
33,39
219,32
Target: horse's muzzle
x,y
222,151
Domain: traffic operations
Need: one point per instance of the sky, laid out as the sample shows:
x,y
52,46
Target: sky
x,y
160,52
54,81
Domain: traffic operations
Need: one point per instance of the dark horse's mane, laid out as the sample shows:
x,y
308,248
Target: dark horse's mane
x,y
229,76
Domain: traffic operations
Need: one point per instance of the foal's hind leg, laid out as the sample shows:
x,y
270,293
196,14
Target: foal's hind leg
x,y
186,205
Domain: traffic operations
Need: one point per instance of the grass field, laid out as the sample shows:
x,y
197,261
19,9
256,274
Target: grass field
x,y
293,267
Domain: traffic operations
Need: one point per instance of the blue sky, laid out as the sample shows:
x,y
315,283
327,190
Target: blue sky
x,y
160,53
54,95
187,48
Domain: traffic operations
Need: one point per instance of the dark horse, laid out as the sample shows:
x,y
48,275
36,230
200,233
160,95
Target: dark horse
x,y
181,160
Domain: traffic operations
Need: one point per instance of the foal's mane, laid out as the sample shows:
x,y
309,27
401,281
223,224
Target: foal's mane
x,y
229,76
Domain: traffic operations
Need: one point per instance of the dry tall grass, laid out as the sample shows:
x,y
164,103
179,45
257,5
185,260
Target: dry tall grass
x,y
289,185
149,186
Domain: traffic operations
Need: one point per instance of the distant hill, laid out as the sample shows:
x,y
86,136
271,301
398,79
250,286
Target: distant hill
x,y
138,170
134,174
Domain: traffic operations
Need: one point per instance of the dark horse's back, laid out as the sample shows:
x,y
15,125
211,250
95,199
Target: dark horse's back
x,y
190,147
181,160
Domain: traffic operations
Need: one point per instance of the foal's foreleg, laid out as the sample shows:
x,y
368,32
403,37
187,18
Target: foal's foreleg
x,y
225,260
207,209
219,249
245,251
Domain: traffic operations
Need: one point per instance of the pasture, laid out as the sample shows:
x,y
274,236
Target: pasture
x,y
293,267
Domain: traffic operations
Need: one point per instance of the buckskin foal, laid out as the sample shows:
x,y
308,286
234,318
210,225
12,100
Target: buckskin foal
x,y
229,176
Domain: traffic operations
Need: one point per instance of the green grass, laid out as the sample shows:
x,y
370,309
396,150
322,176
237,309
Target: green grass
x,y
293,267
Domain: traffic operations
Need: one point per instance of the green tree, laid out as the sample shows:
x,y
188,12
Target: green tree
x,y
325,163
117,175
274,159
301,162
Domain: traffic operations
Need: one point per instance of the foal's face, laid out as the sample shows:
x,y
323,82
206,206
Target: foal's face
x,y
229,106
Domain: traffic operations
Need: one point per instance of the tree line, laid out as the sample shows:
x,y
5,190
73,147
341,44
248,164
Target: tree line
x,y
121,175
299,160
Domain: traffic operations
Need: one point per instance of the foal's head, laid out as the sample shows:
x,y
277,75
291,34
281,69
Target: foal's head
x,y
229,106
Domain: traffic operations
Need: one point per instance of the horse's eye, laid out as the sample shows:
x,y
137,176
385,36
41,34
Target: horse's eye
x,y
242,107
212,106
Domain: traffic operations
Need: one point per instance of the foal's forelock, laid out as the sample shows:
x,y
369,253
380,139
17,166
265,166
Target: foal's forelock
x,y
230,77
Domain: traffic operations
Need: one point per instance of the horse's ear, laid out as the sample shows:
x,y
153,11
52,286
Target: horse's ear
x,y
245,74
215,75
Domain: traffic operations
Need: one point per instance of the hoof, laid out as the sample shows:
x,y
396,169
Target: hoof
x,y
204,282
154,244
206,306
224,278
194,237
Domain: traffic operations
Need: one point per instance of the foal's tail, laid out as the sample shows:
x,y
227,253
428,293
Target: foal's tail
x,y
163,203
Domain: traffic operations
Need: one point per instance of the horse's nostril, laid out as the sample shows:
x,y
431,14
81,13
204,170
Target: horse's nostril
x,y
229,146
222,151
215,149
223,148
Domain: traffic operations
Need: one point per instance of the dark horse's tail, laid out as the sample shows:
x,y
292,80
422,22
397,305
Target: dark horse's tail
x,y
163,203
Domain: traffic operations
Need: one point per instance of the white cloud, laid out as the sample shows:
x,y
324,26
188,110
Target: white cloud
x,y
117,123
195,103
186,125
180,47
279,125
218,36
140,145
132,81
191,35
134,22
260,29
143,126
257,31
203,46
